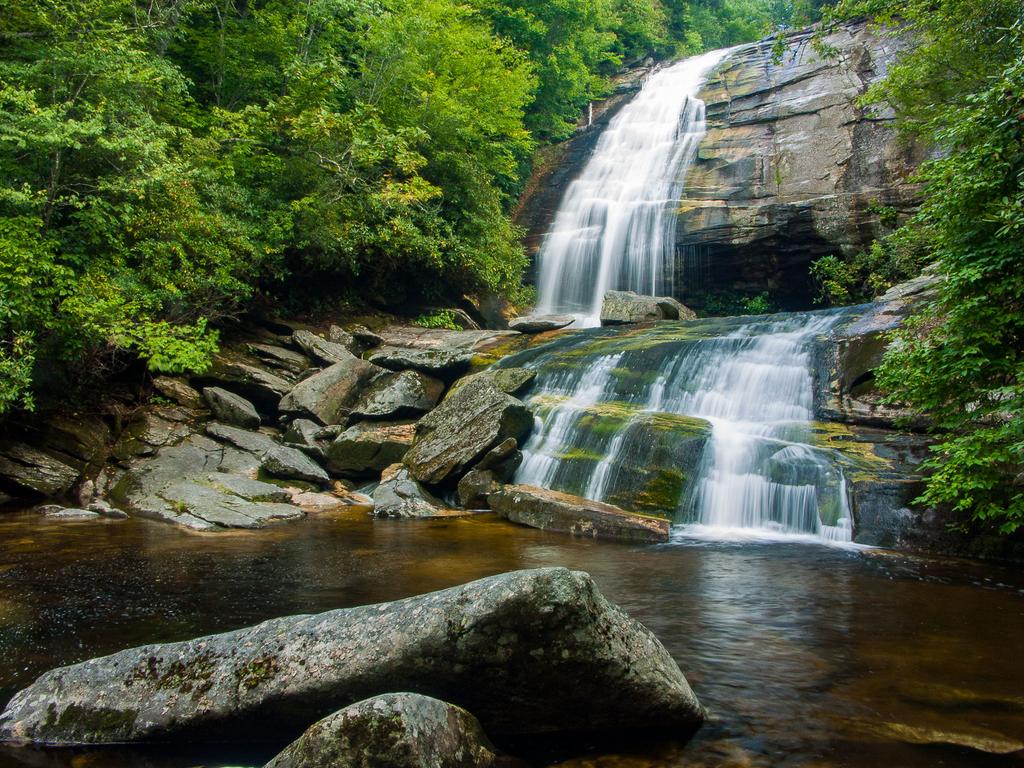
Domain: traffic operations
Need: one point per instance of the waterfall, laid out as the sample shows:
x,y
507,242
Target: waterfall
x,y
711,421
614,226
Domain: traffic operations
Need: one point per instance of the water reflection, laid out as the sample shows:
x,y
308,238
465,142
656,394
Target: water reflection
x,y
805,655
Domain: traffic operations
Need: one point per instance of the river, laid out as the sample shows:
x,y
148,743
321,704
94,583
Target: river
x,y
805,654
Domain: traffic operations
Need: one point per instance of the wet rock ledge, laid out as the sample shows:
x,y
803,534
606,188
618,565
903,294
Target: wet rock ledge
x,y
526,652
286,424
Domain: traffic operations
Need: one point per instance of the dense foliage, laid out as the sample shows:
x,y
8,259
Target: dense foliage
x,y
961,361
163,163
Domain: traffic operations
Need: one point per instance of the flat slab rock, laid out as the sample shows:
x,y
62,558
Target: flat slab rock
x,y
540,323
564,513
530,651
397,730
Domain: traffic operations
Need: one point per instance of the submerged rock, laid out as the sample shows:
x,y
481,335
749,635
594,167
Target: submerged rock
x,y
463,428
231,408
328,396
398,495
527,652
396,730
369,447
564,513
540,323
621,307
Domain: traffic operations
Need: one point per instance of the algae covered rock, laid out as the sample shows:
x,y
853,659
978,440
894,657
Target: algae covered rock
x,y
527,652
564,513
452,437
396,730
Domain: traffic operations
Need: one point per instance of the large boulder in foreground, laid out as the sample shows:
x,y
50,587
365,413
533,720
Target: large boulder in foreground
x,y
564,513
453,436
621,307
527,652
396,730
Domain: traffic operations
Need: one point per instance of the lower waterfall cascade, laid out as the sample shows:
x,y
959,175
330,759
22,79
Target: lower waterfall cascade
x,y
709,421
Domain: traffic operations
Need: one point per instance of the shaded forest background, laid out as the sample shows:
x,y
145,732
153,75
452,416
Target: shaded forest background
x,y
165,162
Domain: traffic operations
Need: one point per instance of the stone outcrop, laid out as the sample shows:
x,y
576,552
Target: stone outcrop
x,y
30,470
526,652
540,323
397,730
622,307
791,168
320,348
328,396
231,408
399,495
369,447
449,439
399,396
564,513
846,360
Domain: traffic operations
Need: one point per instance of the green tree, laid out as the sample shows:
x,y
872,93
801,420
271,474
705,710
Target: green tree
x,y
960,362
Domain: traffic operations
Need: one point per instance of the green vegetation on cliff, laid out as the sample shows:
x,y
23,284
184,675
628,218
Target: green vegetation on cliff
x,y
165,164
961,361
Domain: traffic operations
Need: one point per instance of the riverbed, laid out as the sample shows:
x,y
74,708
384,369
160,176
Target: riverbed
x,y
804,654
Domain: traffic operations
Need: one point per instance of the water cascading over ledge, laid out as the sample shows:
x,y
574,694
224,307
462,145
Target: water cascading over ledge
x,y
710,422
615,225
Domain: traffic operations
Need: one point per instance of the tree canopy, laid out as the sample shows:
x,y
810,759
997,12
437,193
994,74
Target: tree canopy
x,y
163,163
960,362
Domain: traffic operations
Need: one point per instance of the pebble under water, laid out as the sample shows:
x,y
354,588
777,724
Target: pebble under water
x,y
805,654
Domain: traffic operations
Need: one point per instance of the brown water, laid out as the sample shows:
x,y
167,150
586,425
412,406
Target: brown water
x,y
805,655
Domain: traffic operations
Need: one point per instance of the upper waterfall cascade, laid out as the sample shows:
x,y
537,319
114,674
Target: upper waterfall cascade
x,y
710,420
614,227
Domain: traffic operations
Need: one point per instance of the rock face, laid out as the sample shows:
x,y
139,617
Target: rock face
x,y
396,730
398,495
846,360
527,652
565,513
328,396
621,307
463,428
791,169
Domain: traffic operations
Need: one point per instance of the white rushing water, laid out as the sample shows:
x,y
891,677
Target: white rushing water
x,y
759,470
614,226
